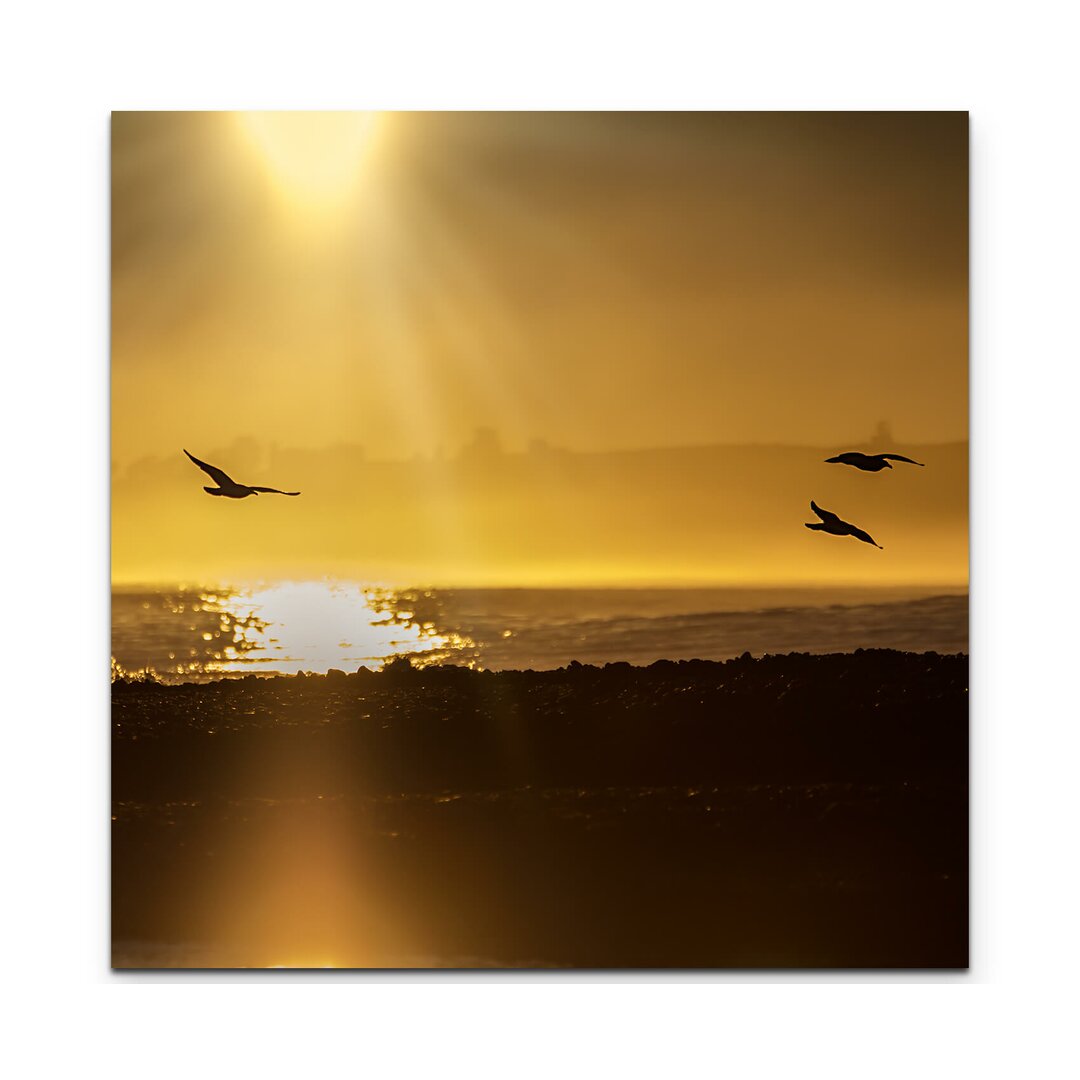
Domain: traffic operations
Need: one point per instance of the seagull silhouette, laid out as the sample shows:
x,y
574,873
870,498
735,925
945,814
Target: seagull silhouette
x,y
830,523
869,462
228,487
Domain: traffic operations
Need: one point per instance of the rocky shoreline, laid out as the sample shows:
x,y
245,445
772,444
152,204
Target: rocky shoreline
x,y
787,811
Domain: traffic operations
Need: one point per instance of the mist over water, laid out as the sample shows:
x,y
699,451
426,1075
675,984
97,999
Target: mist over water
x,y
190,633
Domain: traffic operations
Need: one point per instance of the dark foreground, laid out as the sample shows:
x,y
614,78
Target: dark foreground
x,y
793,811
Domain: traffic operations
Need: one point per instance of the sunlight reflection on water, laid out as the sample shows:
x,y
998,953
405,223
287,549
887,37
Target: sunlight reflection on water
x,y
282,628
195,633
316,626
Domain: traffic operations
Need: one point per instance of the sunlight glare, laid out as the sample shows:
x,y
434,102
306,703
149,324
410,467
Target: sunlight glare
x,y
315,158
319,625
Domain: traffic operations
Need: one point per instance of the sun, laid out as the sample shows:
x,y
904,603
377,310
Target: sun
x,y
314,158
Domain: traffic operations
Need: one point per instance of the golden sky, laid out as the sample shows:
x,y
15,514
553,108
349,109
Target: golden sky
x,y
598,281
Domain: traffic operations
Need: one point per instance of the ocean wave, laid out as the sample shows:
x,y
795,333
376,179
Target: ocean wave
x,y
195,636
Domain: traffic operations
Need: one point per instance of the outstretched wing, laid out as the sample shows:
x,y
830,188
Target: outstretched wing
x,y
273,491
899,457
865,537
222,479
825,515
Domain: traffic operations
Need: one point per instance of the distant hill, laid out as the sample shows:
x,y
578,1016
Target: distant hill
x,y
721,513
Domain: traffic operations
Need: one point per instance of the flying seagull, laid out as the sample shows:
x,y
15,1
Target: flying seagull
x,y
228,487
869,462
830,523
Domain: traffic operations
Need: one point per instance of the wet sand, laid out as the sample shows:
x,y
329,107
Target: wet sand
x,y
791,811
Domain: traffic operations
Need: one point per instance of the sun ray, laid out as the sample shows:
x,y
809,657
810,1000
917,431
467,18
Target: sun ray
x,y
314,158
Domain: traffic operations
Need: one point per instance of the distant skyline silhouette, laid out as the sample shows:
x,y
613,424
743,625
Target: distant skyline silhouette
x,y
543,515
491,441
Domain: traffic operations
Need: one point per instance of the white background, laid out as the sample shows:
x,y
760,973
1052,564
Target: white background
x,y
64,67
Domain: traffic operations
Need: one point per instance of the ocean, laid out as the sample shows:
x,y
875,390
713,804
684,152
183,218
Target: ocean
x,y
191,633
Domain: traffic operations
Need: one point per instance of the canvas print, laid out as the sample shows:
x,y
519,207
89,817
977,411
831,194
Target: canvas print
x,y
539,540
